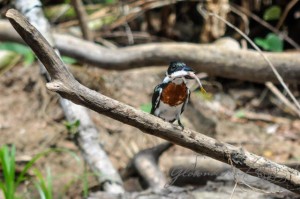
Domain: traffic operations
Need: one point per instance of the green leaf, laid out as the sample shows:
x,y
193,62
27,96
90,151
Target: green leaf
x,y
239,114
146,107
68,60
25,51
29,165
7,163
275,42
262,43
72,127
44,185
272,13
271,43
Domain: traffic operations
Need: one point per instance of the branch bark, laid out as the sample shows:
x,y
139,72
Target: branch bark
x,y
215,60
64,83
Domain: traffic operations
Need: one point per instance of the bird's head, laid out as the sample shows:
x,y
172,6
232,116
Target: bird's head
x,y
179,69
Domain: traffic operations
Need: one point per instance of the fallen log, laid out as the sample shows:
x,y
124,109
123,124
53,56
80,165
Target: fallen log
x,y
213,59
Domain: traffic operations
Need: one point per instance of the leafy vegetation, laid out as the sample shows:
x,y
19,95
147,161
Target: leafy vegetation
x,y
271,43
23,50
68,60
44,185
272,13
72,127
146,107
11,182
7,159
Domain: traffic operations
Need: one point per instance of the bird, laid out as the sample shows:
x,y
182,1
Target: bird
x,y
170,98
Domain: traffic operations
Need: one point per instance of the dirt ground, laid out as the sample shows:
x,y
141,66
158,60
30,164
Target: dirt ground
x,y
31,119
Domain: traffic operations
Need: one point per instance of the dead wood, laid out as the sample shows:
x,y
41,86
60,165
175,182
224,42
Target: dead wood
x,y
200,170
212,190
145,163
87,135
83,19
179,193
215,60
64,83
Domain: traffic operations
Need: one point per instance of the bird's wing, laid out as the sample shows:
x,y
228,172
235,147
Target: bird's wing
x,y
186,101
156,97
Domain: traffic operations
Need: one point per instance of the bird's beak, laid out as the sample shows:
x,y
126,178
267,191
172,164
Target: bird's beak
x,y
187,68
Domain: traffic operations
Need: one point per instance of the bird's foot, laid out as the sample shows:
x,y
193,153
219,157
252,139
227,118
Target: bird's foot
x,y
180,124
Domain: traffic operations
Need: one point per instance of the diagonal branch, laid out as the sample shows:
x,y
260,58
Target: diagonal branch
x,y
65,84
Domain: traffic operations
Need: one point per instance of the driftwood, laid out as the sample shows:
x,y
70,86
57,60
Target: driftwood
x,y
212,179
145,163
212,190
215,60
64,83
198,170
87,136
147,194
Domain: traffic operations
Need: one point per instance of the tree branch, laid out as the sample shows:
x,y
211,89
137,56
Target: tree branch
x,y
82,18
215,60
65,84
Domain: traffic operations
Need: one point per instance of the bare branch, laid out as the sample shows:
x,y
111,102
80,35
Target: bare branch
x,y
82,17
145,163
214,60
64,83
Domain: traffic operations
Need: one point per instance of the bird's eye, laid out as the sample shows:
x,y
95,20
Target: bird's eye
x,y
173,67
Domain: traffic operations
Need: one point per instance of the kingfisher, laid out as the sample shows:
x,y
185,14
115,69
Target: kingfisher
x,y
172,95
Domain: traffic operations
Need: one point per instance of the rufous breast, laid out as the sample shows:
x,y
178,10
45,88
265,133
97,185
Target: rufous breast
x,y
174,94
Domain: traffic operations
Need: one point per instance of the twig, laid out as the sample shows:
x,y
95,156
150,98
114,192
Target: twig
x,y
87,132
235,185
243,17
238,64
264,117
65,84
278,76
82,17
282,98
285,13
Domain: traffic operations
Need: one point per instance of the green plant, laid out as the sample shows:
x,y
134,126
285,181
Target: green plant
x,y
7,160
271,43
239,114
146,107
272,13
10,182
44,186
82,179
25,51
72,127
85,182
68,60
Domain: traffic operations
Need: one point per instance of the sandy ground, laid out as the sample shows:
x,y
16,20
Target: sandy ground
x,y
31,119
